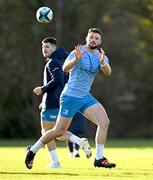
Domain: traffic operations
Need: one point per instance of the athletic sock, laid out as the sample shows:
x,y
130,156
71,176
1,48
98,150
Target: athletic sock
x,y
75,139
35,148
99,151
53,156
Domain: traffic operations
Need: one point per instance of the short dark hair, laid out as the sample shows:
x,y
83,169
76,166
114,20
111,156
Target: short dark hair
x,y
51,40
95,30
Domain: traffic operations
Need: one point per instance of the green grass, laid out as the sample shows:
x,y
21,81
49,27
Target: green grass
x,y
134,159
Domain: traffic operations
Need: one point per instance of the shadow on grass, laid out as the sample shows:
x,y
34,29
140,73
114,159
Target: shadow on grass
x,y
26,173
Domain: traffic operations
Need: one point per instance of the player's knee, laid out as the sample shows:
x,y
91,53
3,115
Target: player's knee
x,y
60,131
104,122
107,122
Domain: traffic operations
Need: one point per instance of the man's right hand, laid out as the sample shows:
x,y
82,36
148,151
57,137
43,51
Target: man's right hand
x,y
78,53
37,91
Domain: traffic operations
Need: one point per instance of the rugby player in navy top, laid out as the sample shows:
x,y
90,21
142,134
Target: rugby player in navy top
x,y
83,63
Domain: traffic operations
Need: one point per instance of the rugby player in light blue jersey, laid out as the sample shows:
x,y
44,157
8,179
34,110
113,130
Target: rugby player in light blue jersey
x,y
54,80
83,63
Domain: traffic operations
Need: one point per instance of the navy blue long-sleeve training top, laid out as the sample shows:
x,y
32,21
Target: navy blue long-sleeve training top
x,y
54,79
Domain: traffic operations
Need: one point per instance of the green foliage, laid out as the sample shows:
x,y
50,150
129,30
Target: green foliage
x,y
127,40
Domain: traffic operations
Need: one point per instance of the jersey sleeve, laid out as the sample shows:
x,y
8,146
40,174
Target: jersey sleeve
x,y
54,70
71,56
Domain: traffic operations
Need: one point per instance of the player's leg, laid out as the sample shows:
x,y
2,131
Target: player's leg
x,y
59,131
95,112
48,120
51,146
70,137
69,107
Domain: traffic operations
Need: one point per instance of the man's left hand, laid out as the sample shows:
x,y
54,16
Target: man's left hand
x,y
101,56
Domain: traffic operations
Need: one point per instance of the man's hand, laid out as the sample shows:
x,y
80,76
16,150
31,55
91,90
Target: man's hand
x,y
101,56
78,52
70,64
37,91
105,67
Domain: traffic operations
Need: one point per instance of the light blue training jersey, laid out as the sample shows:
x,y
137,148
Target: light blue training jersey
x,y
82,74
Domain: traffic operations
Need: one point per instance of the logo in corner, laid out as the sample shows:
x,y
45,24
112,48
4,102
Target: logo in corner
x,y
65,111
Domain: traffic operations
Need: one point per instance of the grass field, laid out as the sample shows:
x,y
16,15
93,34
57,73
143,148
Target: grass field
x,y
134,159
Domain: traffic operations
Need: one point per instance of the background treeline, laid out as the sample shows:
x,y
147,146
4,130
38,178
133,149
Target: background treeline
x,y
127,27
